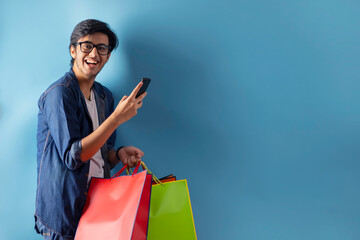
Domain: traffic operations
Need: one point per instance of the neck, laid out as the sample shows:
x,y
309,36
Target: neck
x,y
85,83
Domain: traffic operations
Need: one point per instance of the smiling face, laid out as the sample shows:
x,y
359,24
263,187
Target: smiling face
x,y
88,65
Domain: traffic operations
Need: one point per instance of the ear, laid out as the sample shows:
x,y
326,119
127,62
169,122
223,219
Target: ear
x,y
73,51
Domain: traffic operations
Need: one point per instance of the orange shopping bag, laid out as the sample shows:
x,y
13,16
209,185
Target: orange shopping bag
x,y
117,208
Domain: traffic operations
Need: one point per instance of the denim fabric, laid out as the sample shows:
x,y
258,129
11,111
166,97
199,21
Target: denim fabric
x,y
63,120
49,234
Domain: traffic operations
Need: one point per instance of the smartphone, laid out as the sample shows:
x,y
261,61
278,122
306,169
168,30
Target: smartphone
x,y
146,82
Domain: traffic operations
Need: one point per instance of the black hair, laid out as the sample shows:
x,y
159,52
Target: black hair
x,y
91,26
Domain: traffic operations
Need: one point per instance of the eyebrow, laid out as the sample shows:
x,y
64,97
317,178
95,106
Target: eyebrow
x,y
94,44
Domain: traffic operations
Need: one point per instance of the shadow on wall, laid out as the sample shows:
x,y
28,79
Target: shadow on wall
x,y
176,124
177,112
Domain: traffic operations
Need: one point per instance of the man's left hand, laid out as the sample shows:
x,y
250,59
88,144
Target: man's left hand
x,y
130,156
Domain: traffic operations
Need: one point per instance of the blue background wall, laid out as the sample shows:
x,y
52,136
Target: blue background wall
x,y
256,103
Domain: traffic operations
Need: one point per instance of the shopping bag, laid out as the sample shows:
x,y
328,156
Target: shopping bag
x,y
171,215
168,178
116,208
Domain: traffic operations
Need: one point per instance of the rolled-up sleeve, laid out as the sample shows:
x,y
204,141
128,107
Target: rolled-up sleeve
x,y
60,108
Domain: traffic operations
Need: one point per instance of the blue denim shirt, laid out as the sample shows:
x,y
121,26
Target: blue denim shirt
x,y
63,120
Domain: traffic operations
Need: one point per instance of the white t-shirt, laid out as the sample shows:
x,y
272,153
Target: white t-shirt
x,y
96,162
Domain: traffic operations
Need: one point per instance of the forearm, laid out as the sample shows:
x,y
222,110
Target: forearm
x,y
94,141
125,110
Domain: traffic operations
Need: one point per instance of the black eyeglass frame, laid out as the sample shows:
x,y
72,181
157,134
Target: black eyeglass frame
x,y
94,46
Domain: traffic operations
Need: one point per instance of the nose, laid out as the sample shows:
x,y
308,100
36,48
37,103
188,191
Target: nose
x,y
93,52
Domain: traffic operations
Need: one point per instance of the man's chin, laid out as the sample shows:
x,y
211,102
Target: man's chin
x,y
91,73
87,71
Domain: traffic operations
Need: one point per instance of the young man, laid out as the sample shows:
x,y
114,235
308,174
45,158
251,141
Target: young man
x,y
76,132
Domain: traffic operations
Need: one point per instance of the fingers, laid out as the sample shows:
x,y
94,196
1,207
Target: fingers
x,y
123,98
139,100
132,161
139,105
141,97
140,153
136,90
130,156
136,156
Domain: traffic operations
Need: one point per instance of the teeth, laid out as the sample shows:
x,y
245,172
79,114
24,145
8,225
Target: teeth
x,y
92,62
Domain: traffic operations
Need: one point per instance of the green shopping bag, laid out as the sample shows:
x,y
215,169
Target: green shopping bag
x,y
170,214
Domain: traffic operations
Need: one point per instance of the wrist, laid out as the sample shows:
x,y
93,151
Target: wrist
x,y
116,119
117,153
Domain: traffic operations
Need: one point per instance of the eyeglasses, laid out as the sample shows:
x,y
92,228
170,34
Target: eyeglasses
x,y
87,47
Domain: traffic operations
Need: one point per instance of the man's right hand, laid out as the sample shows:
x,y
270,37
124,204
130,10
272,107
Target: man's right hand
x,y
125,110
128,105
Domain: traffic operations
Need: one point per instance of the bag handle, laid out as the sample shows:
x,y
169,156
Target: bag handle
x,y
136,170
119,172
153,176
127,169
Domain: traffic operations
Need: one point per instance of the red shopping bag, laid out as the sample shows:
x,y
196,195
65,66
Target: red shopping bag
x,y
116,208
